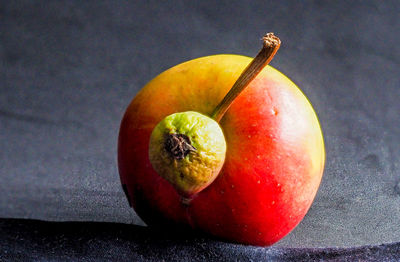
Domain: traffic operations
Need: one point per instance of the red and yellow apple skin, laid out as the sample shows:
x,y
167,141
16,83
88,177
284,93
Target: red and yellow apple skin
x,y
274,161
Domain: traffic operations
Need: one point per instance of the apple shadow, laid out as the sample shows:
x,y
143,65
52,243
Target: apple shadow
x,y
27,240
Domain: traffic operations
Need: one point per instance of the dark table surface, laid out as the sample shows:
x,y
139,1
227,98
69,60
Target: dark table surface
x,y
70,68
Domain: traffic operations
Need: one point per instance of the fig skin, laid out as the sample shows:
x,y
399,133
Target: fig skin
x,y
274,160
188,150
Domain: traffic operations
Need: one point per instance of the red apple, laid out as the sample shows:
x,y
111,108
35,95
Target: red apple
x,y
274,152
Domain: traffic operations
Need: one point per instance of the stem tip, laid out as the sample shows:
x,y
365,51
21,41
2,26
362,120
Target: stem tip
x,y
271,44
271,40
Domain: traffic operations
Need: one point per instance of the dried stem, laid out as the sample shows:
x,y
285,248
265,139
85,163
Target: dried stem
x,y
271,44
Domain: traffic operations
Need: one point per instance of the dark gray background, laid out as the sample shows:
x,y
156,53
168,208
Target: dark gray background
x,y
70,68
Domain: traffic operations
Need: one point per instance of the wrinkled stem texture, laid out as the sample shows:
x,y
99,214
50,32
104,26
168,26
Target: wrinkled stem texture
x,y
271,44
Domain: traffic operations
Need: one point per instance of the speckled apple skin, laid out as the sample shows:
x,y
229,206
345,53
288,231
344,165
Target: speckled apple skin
x,y
274,161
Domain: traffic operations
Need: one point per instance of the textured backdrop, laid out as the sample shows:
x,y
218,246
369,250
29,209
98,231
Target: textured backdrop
x,y
70,68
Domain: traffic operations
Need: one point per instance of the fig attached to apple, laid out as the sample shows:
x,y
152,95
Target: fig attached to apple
x,y
224,144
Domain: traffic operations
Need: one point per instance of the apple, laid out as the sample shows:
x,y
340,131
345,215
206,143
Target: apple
x,y
223,144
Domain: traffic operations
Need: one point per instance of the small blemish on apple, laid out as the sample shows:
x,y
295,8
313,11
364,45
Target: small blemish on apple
x,y
233,186
258,182
273,202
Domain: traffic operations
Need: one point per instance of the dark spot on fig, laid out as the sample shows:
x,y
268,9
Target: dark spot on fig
x,y
178,145
182,175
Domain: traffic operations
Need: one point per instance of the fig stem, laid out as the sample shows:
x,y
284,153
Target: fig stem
x,y
271,44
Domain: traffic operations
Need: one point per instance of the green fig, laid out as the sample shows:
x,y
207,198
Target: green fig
x,y
188,150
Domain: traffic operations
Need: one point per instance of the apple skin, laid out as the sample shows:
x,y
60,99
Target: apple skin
x,y
274,161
